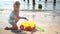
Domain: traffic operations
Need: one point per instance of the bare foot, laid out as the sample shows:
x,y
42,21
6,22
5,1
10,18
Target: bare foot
x,y
10,28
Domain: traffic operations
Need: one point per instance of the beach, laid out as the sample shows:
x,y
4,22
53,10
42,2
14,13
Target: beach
x,y
48,17
48,20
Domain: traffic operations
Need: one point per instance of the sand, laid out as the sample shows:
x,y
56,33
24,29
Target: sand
x,y
48,30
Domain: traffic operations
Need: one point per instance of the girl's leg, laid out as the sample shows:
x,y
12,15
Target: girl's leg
x,y
14,27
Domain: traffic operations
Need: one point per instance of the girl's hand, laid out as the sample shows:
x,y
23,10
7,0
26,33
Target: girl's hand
x,y
16,19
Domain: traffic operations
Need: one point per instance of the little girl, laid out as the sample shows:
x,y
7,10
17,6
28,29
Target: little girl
x,y
14,17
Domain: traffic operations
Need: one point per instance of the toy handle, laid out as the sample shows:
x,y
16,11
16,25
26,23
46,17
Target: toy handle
x,y
24,18
40,29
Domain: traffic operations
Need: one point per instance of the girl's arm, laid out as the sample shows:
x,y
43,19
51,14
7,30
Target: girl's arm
x,y
12,17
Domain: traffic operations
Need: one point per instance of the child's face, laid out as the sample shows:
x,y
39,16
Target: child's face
x,y
16,7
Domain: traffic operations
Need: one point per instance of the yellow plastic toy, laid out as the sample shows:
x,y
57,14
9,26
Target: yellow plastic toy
x,y
27,25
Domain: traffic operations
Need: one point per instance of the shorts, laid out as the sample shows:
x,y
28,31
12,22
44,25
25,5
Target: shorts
x,y
12,15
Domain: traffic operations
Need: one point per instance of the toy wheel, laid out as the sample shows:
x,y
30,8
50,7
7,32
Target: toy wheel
x,y
29,28
21,27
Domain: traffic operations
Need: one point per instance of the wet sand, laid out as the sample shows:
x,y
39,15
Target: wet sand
x,y
48,30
